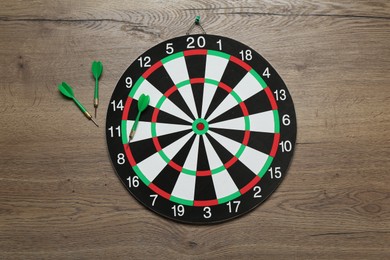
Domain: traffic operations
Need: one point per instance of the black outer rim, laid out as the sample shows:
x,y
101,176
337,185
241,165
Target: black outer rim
x,y
142,192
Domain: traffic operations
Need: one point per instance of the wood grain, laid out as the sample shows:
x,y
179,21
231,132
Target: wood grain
x,y
60,197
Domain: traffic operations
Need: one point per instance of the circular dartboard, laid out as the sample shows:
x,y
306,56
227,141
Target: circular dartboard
x,y
215,135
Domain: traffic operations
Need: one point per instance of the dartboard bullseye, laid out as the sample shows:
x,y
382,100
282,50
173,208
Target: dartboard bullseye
x,y
215,139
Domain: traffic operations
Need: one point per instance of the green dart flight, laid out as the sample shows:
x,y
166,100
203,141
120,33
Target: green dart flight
x,y
97,69
143,103
67,91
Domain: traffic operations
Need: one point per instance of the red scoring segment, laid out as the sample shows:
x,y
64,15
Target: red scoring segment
x,y
240,63
275,145
200,126
152,69
271,98
127,108
195,52
250,185
205,203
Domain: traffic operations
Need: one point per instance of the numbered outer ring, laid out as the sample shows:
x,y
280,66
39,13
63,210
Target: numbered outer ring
x,y
217,137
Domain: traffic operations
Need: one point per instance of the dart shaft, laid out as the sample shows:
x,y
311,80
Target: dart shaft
x,y
82,108
135,125
88,115
96,95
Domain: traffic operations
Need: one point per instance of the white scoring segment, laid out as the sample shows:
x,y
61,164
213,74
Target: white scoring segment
x,y
208,93
147,88
234,124
164,129
215,67
177,70
188,96
246,88
223,183
168,106
212,156
192,157
143,130
172,149
185,187
262,122
231,145
152,166
225,105
253,159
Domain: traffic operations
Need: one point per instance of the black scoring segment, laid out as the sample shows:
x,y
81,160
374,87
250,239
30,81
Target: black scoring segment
x,y
197,91
232,113
181,156
145,116
240,174
196,65
178,100
168,139
204,188
255,104
261,141
203,163
219,95
166,179
164,117
258,103
222,152
233,74
160,79
236,135
142,149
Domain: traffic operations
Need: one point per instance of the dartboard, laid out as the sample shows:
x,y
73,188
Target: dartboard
x,y
215,139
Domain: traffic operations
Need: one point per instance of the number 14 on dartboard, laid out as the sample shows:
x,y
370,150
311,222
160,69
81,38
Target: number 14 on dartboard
x,y
216,137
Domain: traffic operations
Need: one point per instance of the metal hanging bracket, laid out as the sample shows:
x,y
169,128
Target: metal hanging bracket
x,y
196,23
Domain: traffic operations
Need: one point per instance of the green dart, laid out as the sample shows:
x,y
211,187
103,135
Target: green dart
x,y
97,69
67,91
143,103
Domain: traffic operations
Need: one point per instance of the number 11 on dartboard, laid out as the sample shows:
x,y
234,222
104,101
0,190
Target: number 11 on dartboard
x,y
216,136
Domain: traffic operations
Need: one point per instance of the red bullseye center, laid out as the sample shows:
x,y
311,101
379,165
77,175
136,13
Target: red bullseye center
x,y
200,126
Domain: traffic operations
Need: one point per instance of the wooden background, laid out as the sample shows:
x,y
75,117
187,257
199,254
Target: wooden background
x,y
60,197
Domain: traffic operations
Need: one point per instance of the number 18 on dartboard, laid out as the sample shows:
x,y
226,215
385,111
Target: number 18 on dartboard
x,y
201,129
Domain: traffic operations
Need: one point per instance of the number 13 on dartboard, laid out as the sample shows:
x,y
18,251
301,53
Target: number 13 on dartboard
x,y
215,139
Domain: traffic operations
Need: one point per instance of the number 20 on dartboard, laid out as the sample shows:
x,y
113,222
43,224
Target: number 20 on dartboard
x,y
216,136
